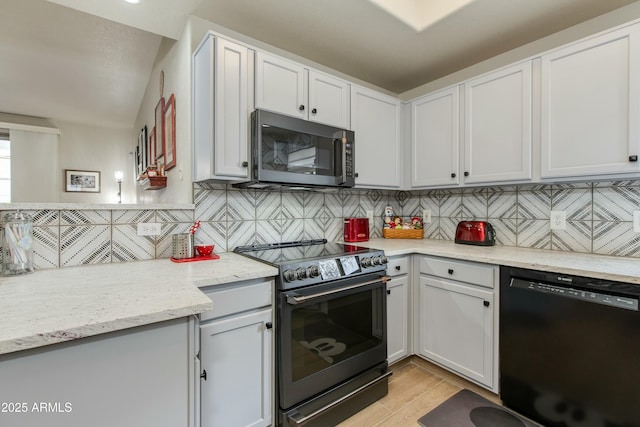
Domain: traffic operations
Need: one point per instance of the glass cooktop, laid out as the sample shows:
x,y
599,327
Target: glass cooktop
x,y
277,254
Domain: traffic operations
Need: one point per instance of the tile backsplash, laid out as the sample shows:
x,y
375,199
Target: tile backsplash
x,y
599,219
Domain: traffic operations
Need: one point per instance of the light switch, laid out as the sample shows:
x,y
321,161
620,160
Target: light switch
x,y
558,220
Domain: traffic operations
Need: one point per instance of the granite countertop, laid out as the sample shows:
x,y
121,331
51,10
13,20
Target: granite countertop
x,y
52,306
579,264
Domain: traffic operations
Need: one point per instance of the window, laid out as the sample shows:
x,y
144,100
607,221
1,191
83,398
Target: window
x,y
5,168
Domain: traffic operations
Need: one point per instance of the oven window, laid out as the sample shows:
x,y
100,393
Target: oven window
x,y
328,332
287,151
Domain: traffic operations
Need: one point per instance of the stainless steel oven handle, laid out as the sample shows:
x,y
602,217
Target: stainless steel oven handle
x,y
299,300
298,419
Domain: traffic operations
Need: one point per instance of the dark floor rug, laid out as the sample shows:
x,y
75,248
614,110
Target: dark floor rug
x,y
467,409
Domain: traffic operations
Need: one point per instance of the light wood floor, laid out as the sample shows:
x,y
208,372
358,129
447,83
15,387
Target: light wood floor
x,y
415,388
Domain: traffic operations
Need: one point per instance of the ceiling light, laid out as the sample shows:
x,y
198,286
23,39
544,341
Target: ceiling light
x,y
420,14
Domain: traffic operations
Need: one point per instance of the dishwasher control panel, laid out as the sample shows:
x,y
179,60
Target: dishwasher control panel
x,y
628,303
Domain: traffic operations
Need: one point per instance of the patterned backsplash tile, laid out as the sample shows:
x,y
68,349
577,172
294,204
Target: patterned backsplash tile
x,y
599,219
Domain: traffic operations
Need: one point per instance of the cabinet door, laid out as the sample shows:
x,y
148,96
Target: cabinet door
x,y
236,354
328,100
375,119
435,139
220,110
590,106
280,86
456,327
397,318
498,126
231,110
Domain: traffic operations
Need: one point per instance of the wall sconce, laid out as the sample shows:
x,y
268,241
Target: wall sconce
x,y
119,175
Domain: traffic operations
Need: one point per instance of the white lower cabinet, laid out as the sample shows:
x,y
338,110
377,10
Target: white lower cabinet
x,y
457,319
134,377
398,309
236,358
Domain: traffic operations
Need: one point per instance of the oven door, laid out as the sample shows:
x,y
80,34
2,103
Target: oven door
x,y
329,333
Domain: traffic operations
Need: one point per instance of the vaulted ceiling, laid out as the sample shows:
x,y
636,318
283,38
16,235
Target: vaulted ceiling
x,y
89,60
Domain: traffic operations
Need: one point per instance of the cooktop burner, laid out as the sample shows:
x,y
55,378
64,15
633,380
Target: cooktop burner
x,y
307,262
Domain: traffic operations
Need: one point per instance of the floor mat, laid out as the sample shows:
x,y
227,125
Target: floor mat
x,y
467,409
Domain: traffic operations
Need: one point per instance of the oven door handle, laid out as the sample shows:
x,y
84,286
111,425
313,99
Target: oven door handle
x,y
294,300
298,419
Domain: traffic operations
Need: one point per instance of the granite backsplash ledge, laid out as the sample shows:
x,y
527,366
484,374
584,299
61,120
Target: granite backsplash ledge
x,y
599,219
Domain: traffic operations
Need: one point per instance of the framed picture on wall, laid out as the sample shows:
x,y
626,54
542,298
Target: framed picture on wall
x,y
82,181
159,134
143,150
169,126
152,146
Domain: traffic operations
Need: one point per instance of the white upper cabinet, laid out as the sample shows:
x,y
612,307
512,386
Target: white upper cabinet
x,y
435,139
280,86
221,109
375,120
289,88
590,106
497,126
328,100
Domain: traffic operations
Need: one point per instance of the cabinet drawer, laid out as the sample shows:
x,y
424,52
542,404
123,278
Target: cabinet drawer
x,y
477,274
398,266
239,298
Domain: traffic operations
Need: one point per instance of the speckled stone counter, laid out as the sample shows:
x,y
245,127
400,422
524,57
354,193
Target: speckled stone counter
x,y
597,266
52,306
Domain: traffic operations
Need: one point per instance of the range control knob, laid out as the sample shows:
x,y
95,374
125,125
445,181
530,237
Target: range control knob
x,y
289,275
366,262
384,260
377,260
301,273
313,271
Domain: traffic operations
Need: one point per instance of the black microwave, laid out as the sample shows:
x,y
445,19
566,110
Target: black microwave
x,y
287,151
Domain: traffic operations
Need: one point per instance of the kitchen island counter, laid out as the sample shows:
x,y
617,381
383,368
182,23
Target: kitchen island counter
x,y
53,306
580,264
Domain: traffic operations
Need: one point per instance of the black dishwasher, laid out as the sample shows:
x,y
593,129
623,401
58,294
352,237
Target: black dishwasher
x,y
569,349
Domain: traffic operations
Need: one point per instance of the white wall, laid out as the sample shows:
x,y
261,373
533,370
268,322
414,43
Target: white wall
x,y
100,149
34,166
174,58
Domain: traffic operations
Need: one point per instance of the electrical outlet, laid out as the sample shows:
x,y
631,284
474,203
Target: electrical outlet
x,y
426,216
558,220
636,221
149,228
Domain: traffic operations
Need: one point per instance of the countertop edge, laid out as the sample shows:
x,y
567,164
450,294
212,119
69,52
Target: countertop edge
x,y
75,333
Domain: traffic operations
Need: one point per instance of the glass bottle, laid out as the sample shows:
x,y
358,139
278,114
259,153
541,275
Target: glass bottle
x,y
17,243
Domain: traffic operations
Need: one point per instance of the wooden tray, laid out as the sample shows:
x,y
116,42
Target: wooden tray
x,y
153,182
389,233
196,258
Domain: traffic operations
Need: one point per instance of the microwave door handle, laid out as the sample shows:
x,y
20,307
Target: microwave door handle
x,y
343,142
